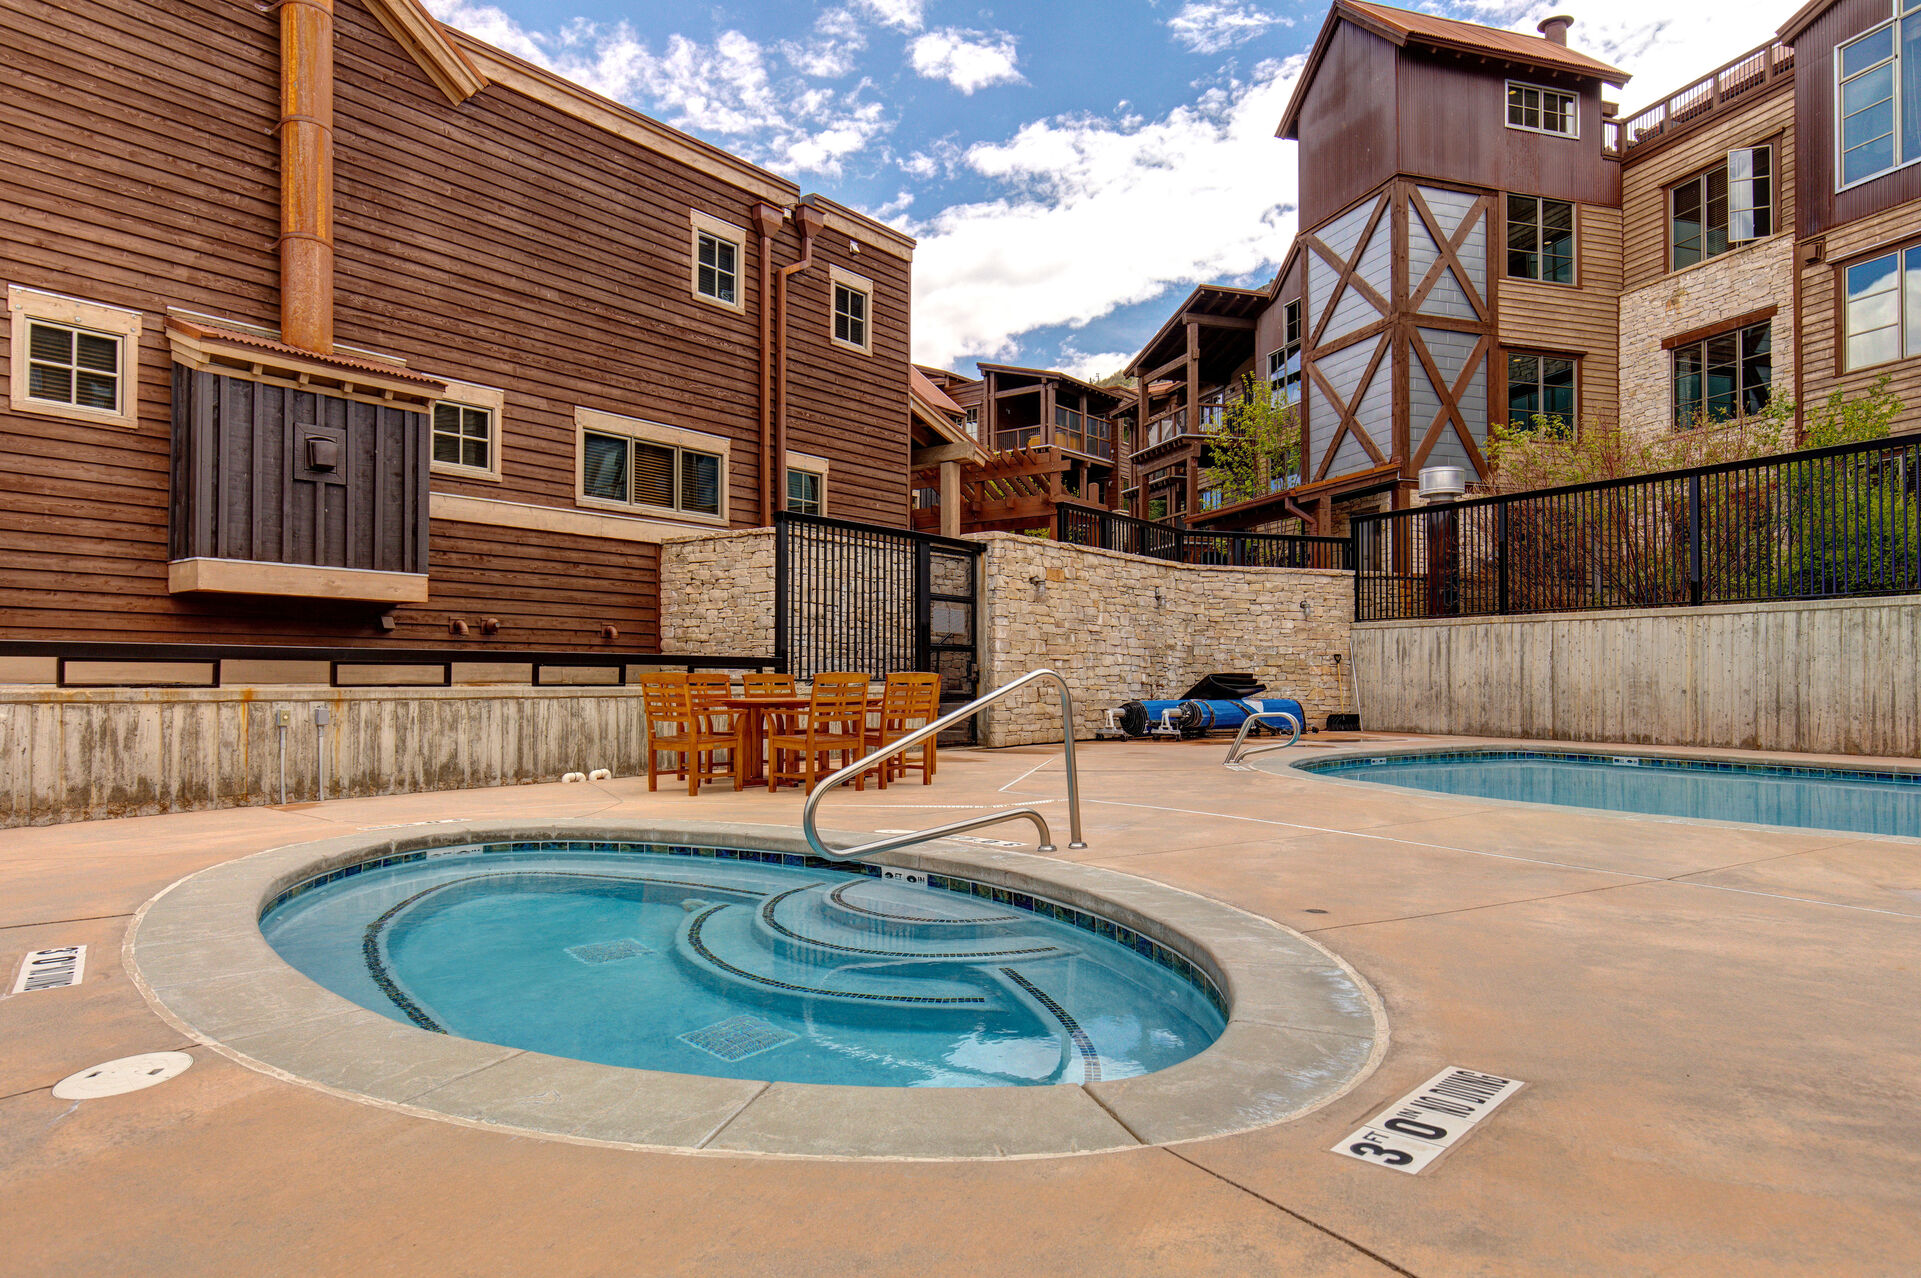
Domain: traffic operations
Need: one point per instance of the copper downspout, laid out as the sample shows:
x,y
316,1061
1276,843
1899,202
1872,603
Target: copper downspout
x,y
767,220
307,174
810,220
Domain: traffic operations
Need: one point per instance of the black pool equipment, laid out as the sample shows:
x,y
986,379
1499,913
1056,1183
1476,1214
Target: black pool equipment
x,y
1220,701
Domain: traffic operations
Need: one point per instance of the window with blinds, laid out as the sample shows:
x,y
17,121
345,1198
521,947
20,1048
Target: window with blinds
x,y
73,366
463,436
850,316
717,268
643,472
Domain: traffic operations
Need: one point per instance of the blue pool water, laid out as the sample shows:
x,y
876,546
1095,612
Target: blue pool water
x,y
733,963
1821,798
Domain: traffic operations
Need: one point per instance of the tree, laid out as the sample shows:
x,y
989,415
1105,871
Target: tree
x,y
1255,446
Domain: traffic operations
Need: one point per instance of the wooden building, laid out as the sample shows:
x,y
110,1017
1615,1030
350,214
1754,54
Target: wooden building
x,y
330,324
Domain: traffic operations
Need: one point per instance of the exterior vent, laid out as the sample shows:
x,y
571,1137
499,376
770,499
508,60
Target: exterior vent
x,y
1443,483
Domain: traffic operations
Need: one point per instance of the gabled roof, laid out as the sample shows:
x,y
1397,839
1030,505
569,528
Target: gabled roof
x,y
1402,27
923,385
1804,18
425,40
1050,374
1208,299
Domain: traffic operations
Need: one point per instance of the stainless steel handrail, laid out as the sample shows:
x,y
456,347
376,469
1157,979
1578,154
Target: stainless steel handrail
x,y
919,735
1235,752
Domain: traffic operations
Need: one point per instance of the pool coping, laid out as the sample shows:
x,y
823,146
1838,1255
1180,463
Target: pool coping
x,y
1306,766
1303,1026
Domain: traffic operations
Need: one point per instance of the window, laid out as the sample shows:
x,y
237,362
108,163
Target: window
x,y
1543,110
1721,208
717,253
1540,386
972,420
72,358
853,304
1284,365
1540,239
1882,321
1878,84
806,484
628,463
466,431
1723,376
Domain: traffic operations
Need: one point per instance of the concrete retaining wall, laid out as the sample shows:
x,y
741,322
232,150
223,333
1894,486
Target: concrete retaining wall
x,y
1835,677
73,754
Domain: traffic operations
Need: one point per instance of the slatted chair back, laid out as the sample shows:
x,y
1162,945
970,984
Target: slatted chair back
x,y
838,706
758,684
705,692
663,694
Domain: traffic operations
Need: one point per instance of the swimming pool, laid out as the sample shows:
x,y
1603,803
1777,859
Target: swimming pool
x,y
738,963
1861,800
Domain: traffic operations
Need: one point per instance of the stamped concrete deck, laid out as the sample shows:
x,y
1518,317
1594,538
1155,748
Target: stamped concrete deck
x,y
1717,1026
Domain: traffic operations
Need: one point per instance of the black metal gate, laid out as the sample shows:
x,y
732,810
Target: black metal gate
x,y
851,596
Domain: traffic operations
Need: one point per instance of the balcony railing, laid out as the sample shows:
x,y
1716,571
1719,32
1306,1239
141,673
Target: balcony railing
x,y
1735,82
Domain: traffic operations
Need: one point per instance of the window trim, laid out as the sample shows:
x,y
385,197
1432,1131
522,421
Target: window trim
x,y
812,465
838,277
1293,344
604,423
1840,119
1574,245
27,305
1698,338
1577,358
700,223
470,395
1542,88
1898,250
1772,144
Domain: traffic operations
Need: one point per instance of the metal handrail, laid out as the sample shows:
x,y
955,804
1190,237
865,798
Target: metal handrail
x,y
1235,752
919,735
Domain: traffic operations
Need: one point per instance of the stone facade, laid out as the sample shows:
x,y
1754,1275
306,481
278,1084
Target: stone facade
x,y
1736,283
1123,628
717,593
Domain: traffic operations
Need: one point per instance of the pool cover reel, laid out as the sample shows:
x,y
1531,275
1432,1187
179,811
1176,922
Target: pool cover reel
x,y
1196,717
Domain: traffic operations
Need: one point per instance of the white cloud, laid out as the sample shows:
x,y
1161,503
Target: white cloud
x,y
902,15
1102,213
1090,368
968,60
1211,26
724,88
838,39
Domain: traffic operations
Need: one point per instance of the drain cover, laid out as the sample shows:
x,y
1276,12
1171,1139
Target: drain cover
x,y
128,1074
608,951
738,1037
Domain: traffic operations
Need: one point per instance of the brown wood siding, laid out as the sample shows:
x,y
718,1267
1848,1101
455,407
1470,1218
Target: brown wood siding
x,y
1821,206
1583,319
1821,317
1645,182
502,242
1346,125
1453,128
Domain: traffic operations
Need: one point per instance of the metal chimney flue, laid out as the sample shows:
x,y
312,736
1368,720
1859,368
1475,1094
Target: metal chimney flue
x,y
1555,27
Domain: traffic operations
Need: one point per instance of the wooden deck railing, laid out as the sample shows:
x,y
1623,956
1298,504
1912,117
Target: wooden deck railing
x,y
1734,82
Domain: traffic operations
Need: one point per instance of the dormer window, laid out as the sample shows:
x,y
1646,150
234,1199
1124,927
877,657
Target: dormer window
x,y
1539,110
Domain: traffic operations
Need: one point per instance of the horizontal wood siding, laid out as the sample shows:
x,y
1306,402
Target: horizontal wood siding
x,y
1645,183
1581,319
1821,318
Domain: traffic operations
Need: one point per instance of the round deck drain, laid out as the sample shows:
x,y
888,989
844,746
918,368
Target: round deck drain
x,y
128,1074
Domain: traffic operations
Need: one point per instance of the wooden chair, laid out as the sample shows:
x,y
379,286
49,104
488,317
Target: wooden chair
x,y
675,727
759,684
836,724
908,702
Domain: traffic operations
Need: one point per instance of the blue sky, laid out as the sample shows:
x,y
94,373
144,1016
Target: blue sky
x,y
1071,168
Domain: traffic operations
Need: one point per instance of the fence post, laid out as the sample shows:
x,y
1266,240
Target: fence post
x,y
1500,554
782,566
1694,540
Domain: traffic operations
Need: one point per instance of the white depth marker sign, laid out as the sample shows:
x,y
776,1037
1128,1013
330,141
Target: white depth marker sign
x,y
51,969
1417,1129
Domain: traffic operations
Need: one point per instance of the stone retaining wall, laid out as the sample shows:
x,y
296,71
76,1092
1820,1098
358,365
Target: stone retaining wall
x,y
717,593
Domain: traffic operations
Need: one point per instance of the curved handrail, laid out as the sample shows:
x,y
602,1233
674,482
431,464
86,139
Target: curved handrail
x,y
916,737
1236,752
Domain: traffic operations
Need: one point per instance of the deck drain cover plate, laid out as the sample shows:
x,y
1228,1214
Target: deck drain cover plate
x,y
608,951
128,1074
738,1037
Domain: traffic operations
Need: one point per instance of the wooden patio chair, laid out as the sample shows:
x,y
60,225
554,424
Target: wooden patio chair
x,y
836,724
675,727
762,684
909,701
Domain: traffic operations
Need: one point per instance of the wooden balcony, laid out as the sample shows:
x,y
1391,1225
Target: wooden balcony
x,y
1735,83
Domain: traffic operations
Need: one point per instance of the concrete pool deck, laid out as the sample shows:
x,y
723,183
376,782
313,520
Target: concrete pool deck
x,y
1717,1026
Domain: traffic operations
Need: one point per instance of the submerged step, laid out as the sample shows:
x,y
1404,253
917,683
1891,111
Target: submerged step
x,y
802,924
870,904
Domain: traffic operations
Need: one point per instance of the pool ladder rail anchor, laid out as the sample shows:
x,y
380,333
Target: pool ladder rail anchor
x,y
1239,751
809,813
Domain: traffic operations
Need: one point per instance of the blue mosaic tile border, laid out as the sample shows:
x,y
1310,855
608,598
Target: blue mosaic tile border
x,y
1596,758
700,947
1106,928
1090,1058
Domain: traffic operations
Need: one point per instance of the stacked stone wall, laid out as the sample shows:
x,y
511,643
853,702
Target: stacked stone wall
x,y
717,594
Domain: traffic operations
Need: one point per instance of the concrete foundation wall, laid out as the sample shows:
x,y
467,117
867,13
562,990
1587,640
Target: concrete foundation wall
x,y
74,754
717,593
1825,677
1122,628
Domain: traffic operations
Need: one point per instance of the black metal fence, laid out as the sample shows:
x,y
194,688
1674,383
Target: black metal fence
x,y
1111,530
1825,523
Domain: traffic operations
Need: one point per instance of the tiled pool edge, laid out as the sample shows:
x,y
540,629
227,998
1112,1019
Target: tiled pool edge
x,y
196,953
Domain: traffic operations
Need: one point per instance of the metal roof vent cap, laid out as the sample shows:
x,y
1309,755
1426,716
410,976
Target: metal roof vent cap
x,y
1554,27
1443,483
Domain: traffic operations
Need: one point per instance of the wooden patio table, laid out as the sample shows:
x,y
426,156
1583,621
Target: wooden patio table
x,y
753,742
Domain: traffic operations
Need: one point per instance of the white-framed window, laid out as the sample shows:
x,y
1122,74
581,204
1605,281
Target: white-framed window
x,y
1881,309
466,431
1877,88
73,358
643,467
718,260
1540,110
1284,365
852,317
1722,207
807,483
